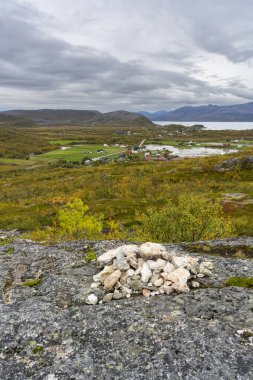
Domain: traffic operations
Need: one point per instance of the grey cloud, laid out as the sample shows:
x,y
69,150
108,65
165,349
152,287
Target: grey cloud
x,y
219,26
45,63
59,73
218,42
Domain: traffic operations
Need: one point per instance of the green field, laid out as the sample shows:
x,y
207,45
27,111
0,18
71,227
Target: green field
x,y
15,161
77,153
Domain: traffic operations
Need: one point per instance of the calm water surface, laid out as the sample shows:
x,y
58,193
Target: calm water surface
x,y
192,152
213,125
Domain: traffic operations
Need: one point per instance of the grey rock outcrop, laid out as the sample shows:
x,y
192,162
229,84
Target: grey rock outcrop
x,y
47,331
235,162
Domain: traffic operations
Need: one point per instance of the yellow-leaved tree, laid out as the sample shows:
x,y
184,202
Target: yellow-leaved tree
x,y
74,221
190,218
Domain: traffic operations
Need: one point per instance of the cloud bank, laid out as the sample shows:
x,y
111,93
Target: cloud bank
x,y
133,55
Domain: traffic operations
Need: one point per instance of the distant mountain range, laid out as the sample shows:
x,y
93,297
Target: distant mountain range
x,y
237,112
75,117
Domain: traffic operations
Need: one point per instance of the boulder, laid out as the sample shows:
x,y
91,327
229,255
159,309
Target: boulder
x,y
117,295
107,257
121,262
158,282
146,293
180,274
204,270
180,261
108,297
101,276
152,251
166,289
139,267
245,162
156,264
132,259
136,284
180,287
111,280
208,264
95,285
130,272
92,299
145,273
129,249
125,291
169,268
195,284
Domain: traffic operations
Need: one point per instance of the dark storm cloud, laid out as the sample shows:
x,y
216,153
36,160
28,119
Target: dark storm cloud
x,y
58,72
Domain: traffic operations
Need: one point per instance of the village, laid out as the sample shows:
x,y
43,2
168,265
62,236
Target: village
x,y
135,153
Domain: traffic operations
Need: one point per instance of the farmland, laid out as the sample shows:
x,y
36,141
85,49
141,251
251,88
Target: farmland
x,y
79,152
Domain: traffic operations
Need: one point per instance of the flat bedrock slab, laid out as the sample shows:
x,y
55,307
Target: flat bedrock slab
x,y
48,332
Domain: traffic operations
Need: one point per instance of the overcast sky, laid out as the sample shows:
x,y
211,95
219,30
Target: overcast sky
x,y
125,54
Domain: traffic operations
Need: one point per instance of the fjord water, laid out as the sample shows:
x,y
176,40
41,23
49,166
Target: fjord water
x,y
213,125
191,152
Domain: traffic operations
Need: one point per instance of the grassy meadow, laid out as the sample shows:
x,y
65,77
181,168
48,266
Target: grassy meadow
x,y
78,152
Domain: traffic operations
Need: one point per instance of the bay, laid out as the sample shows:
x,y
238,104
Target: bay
x,y
191,152
212,125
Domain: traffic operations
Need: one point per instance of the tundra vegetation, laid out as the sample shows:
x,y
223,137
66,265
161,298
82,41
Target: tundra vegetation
x,y
178,200
190,218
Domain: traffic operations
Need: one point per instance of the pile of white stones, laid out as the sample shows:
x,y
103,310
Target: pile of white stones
x,y
147,269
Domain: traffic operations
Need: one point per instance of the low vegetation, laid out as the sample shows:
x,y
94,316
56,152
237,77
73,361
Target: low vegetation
x,y
90,256
31,282
242,282
120,199
190,218
21,143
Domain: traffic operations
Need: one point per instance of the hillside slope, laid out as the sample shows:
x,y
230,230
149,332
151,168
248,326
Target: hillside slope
x,y
77,117
237,112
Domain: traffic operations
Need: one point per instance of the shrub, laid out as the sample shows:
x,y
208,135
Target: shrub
x,y
116,231
74,222
191,218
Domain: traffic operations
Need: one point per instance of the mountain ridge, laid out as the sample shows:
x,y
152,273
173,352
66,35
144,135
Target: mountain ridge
x,y
211,112
78,117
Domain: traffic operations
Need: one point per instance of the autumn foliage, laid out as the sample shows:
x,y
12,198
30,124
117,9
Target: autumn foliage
x,y
190,218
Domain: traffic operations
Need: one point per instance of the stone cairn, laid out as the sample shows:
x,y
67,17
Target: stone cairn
x,y
148,270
